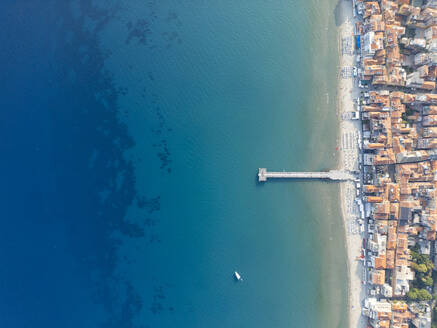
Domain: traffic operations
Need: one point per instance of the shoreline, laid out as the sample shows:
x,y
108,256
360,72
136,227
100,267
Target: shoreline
x,y
348,160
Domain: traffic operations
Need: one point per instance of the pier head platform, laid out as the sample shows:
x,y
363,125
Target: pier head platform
x,y
335,175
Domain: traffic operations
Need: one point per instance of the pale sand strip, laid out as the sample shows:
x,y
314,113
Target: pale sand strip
x,y
347,93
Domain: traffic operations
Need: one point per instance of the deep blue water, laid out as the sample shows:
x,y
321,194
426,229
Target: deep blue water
x,y
57,252
130,138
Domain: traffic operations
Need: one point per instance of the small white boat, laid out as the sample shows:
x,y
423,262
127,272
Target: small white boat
x,y
237,276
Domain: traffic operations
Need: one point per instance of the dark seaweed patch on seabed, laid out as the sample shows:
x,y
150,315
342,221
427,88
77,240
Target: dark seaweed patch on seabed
x,y
151,205
91,123
158,300
141,30
163,152
160,131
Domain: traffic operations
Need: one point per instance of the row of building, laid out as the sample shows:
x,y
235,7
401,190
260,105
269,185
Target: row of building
x,y
397,70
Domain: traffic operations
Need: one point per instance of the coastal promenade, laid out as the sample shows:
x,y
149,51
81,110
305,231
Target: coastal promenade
x,y
335,175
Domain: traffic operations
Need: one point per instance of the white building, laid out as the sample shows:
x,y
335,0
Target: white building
x,y
401,280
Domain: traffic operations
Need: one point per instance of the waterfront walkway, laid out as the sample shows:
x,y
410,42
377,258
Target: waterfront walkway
x,y
263,175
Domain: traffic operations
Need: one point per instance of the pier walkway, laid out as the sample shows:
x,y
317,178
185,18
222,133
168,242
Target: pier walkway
x,y
263,175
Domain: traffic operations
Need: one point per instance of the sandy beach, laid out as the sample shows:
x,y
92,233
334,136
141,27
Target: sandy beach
x,y
348,91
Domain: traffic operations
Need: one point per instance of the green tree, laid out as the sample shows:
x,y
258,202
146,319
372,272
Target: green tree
x,y
422,268
427,281
423,295
419,267
412,295
429,265
419,295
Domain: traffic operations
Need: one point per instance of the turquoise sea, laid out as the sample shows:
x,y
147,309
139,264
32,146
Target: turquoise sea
x,y
134,132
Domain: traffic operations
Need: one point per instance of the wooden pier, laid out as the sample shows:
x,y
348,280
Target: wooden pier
x,y
263,175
